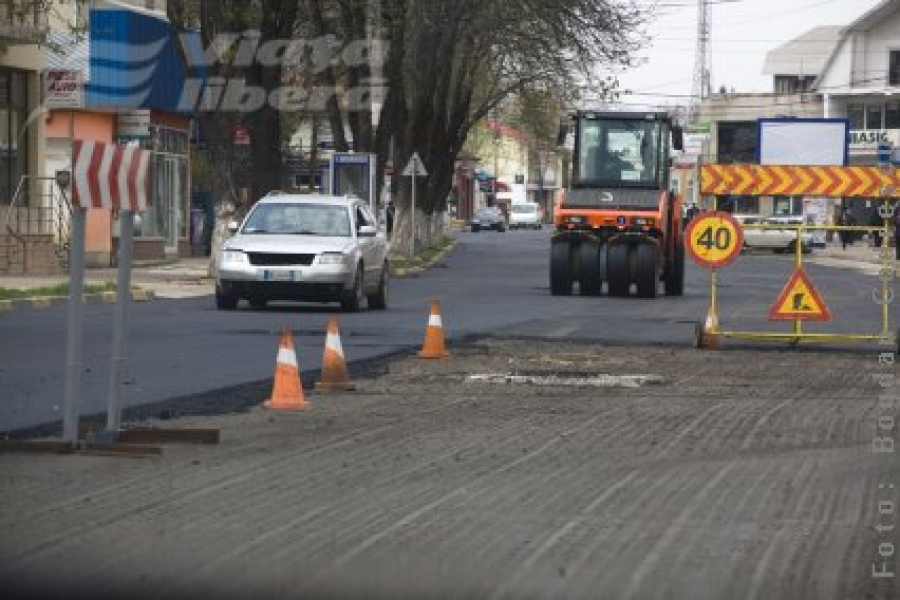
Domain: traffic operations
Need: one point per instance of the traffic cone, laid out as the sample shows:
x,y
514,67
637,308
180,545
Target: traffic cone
x,y
708,337
334,367
434,346
287,391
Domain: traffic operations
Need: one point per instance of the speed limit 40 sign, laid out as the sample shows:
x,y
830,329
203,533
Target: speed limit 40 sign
x,y
714,239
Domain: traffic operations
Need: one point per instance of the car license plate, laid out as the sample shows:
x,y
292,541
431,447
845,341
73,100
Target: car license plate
x,y
269,275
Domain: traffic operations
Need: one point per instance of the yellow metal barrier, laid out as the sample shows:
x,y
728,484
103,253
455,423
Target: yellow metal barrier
x,y
709,334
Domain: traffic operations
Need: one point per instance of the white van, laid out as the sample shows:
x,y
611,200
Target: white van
x,y
525,215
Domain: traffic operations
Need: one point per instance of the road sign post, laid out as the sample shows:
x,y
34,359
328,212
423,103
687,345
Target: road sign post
x,y
713,240
414,168
104,176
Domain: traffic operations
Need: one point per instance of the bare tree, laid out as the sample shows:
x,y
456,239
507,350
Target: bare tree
x,y
451,63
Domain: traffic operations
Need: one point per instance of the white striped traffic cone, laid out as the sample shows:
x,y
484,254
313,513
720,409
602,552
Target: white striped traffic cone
x,y
434,346
287,391
334,367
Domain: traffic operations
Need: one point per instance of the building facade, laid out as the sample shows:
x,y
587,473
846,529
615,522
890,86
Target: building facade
x,y
118,104
847,72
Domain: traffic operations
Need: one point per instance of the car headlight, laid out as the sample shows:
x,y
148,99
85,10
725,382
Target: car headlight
x,y
331,258
234,257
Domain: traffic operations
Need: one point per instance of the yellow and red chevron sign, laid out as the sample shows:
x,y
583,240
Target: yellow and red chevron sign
x,y
782,180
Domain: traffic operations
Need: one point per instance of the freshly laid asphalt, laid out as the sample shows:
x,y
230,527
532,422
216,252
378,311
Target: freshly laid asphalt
x,y
190,277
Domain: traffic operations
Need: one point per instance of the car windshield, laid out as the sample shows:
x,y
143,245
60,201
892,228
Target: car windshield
x,y
487,213
298,219
523,208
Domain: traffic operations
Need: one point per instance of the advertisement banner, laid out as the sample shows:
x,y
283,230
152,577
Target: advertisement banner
x,y
815,212
63,89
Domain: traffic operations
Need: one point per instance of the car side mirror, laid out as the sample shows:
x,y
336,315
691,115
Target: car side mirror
x,y
367,231
233,226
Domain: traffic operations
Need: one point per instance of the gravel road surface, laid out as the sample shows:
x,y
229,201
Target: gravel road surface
x,y
733,474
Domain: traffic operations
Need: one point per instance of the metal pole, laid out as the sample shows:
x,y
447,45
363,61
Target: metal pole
x,y
75,332
412,219
76,325
798,264
123,297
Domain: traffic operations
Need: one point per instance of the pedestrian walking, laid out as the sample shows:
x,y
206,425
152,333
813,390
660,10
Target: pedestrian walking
x,y
846,220
877,222
389,218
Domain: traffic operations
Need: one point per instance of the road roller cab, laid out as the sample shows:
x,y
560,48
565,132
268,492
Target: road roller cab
x,y
619,224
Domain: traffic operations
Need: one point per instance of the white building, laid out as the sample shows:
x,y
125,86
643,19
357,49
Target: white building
x,y
850,71
861,81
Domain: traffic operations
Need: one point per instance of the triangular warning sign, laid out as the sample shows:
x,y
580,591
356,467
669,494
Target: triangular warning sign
x,y
799,300
415,167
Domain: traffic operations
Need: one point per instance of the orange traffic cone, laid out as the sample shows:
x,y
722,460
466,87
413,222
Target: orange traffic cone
x,y
334,367
287,392
434,335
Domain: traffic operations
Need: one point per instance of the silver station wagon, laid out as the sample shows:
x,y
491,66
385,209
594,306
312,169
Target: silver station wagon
x,y
305,248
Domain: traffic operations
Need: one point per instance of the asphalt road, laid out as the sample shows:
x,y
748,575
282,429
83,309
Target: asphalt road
x,y
529,465
491,284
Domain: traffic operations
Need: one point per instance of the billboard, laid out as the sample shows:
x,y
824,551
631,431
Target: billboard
x,y
820,142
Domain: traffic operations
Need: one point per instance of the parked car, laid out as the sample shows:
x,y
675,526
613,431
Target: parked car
x,y
308,248
488,218
525,215
779,240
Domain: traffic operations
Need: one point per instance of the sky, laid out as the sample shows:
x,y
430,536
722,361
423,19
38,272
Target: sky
x,y
742,32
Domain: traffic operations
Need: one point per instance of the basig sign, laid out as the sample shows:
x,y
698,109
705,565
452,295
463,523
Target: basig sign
x,y
867,141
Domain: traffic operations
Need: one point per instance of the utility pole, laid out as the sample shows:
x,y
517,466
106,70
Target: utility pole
x,y
703,58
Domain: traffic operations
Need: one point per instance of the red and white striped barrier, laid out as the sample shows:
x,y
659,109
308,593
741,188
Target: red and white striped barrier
x,y
110,176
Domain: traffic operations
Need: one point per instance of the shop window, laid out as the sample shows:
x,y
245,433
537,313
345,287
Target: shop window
x,y
13,148
894,67
892,115
856,115
873,116
787,205
737,142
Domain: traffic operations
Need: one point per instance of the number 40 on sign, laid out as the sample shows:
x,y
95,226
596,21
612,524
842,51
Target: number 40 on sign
x,y
714,239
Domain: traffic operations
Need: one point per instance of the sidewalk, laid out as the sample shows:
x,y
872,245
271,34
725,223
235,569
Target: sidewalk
x,y
861,256
175,278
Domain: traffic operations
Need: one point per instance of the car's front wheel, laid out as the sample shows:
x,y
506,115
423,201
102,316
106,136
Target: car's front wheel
x,y
225,301
379,299
352,299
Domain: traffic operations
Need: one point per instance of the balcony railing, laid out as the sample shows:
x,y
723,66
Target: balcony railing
x,y
22,21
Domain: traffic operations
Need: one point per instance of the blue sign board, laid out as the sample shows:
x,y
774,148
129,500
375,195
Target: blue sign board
x,y
136,61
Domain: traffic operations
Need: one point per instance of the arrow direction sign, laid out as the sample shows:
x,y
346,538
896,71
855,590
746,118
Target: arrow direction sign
x,y
415,168
791,180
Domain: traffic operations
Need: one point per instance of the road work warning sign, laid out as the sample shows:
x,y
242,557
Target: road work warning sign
x,y
799,300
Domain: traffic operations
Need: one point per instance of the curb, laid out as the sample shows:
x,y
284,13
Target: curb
x,y
137,295
403,272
